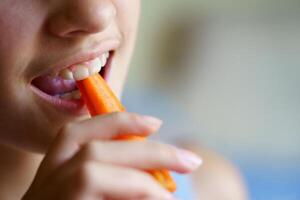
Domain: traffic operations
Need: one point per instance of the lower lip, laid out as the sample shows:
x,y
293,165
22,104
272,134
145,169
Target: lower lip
x,y
73,106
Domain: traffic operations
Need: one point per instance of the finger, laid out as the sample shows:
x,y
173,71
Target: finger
x,y
104,127
114,182
141,155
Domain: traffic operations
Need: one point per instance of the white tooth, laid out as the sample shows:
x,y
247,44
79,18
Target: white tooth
x,y
103,60
95,66
66,96
66,74
76,94
107,54
81,72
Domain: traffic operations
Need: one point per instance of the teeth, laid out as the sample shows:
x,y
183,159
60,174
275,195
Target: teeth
x,y
71,95
81,72
67,96
95,66
106,55
84,70
66,74
103,60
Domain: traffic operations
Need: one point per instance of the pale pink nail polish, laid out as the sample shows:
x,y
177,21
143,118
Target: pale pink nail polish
x,y
152,121
189,159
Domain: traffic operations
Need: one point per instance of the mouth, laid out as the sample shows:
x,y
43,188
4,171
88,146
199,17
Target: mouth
x,y
59,87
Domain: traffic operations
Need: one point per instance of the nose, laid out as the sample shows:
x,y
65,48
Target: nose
x,y
74,18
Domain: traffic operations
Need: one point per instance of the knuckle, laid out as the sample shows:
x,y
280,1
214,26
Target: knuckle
x,y
126,121
165,152
118,119
117,116
88,151
68,129
133,117
126,117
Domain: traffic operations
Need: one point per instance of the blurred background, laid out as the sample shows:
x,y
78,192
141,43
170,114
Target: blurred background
x,y
225,74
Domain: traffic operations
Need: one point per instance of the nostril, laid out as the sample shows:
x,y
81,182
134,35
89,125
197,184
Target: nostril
x,y
76,33
79,18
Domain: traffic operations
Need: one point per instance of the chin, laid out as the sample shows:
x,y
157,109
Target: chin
x,y
33,134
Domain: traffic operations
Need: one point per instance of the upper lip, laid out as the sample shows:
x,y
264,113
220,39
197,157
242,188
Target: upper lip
x,y
93,52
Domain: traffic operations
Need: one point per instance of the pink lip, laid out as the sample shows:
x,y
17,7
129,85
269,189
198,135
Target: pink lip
x,y
83,56
71,106
77,106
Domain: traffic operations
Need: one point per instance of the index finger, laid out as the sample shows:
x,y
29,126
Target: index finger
x,y
104,127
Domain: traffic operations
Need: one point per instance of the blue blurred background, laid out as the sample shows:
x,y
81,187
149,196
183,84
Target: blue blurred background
x,y
226,73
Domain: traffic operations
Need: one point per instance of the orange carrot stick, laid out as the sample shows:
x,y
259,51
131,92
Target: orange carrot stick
x,y
100,100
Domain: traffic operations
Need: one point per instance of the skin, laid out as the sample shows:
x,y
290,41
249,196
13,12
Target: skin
x,y
37,37
217,178
67,158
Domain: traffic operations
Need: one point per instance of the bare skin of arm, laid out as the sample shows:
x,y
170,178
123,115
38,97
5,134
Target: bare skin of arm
x,y
218,178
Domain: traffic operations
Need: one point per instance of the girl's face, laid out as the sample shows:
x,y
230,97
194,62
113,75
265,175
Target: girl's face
x,y
40,38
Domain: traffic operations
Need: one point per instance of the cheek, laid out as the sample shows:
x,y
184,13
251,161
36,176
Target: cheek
x,y
19,26
128,16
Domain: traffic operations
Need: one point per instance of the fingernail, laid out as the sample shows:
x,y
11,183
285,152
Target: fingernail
x,y
152,121
189,159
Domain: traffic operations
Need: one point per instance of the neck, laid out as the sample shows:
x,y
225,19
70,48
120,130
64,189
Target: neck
x,y
17,170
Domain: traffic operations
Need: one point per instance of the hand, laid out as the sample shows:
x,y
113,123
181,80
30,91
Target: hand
x,y
84,164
